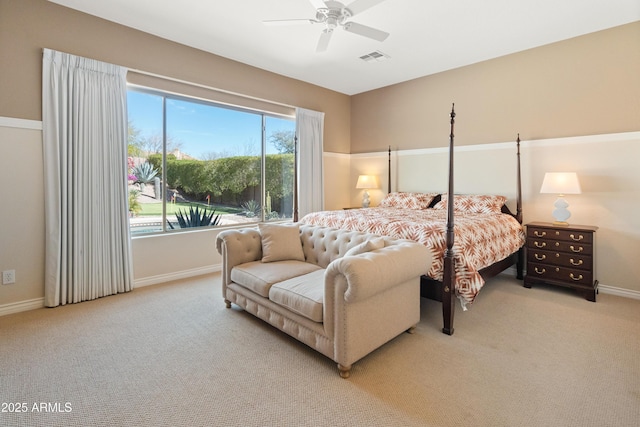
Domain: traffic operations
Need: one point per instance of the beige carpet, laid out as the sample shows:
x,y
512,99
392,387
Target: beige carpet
x,y
172,355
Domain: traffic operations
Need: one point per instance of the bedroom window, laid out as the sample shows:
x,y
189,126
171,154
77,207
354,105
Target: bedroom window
x,y
195,163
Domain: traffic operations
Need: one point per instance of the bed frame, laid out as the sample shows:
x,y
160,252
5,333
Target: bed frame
x,y
445,291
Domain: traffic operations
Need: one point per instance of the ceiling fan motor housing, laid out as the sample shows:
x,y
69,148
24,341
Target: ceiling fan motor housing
x,y
333,15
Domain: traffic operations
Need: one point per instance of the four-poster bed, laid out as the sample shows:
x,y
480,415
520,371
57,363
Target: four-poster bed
x,y
486,239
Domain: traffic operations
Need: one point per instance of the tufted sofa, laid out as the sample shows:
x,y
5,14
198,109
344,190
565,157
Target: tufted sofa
x,y
343,293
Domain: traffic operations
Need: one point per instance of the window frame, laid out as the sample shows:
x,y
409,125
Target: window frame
x,y
264,114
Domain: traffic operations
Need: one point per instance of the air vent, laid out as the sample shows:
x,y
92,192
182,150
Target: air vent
x,y
375,56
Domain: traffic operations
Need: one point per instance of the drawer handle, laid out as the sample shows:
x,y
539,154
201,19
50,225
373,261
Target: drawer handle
x,y
540,257
576,278
573,249
540,245
539,234
580,237
579,262
540,271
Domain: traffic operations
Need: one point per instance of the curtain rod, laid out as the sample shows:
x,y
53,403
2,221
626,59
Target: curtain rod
x,y
228,92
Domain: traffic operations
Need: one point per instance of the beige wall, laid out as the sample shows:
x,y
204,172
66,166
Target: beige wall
x,y
588,85
28,26
21,210
575,103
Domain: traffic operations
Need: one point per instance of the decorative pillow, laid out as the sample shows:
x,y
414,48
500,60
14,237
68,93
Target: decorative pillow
x,y
281,242
404,200
366,246
473,203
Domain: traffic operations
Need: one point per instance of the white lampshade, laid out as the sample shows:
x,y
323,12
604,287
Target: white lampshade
x,y
561,183
366,182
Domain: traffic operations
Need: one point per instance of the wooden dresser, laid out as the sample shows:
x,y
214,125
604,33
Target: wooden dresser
x,y
562,255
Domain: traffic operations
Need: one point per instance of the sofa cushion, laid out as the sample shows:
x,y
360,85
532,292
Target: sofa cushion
x,y
281,242
302,295
366,246
259,277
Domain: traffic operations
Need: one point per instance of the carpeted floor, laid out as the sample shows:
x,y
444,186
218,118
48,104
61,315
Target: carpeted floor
x,y
172,354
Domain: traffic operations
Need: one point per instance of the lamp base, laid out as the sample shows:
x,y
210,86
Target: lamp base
x,y
561,223
365,199
561,213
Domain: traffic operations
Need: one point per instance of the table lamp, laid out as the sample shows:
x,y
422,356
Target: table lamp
x,y
366,182
560,183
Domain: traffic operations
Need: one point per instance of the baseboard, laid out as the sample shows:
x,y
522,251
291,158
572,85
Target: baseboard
x,y
17,307
184,274
612,290
605,289
32,304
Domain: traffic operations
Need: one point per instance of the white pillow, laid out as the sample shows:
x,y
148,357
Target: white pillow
x,y
281,242
367,246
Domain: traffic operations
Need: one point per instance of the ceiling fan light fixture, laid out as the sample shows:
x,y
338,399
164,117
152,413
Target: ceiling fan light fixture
x,y
334,14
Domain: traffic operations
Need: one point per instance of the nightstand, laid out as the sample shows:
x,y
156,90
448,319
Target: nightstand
x,y
562,255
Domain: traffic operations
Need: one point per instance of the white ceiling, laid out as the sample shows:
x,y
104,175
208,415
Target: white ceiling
x,y
427,36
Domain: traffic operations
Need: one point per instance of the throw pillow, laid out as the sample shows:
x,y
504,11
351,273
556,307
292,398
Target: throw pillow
x,y
367,246
281,242
404,200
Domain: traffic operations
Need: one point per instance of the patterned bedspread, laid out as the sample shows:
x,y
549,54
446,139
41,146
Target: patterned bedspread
x,y
480,239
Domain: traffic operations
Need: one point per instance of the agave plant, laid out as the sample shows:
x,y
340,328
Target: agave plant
x,y
196,218
144,173
251,208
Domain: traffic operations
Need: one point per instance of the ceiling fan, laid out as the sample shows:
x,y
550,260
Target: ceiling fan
x,y
334,14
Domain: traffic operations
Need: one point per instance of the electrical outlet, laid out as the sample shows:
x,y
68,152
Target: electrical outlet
x,y
8,277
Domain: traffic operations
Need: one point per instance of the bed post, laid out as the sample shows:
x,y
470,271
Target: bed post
x,y
520,261
448,280
295,178
389,172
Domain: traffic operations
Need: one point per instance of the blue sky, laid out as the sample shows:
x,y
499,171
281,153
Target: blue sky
x,y
202,129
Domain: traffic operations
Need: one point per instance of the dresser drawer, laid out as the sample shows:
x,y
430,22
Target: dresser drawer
x,y
562,259
560,246
562,255
565,235
565,275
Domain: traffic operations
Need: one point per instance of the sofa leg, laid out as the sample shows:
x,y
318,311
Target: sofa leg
x,y
345,371
412,330
227,303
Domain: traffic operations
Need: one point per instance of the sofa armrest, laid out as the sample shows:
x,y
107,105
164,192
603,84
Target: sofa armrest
x,y
237,247
372,272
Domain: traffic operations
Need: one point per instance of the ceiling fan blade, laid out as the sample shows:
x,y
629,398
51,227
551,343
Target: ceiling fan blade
x,y
277,22
318,4
363,30
323,43
358,6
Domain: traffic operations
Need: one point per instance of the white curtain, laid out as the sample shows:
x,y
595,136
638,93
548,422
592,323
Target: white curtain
x,y
84,121
310,129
